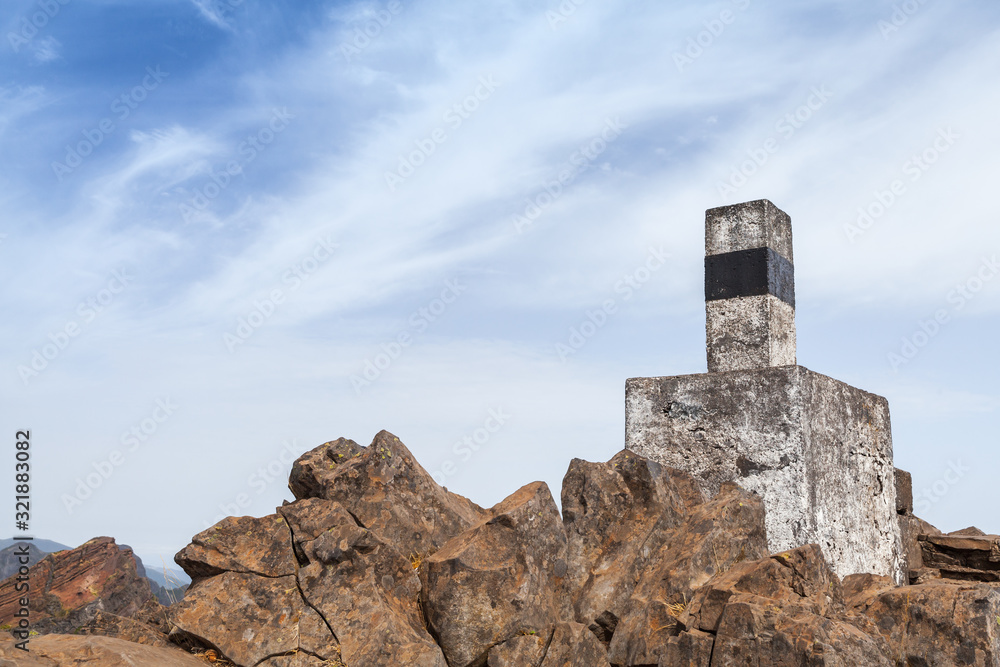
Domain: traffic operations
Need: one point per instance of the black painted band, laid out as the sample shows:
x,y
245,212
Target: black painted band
x,y
749,273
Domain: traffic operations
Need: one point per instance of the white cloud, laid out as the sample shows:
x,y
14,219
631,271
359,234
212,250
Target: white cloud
x,y
213,11
46,49
19,101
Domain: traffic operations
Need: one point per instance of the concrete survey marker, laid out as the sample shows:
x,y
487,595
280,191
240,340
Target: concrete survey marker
x,y
818,451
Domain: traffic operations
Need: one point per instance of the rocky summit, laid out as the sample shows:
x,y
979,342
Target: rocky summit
x,y
376,565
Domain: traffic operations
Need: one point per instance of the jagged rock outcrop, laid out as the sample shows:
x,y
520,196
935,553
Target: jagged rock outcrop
x,y
911,527
387,491
642,538
565,645
715,535
963,557
331,576
374,564
943,623
787,609
251,618
502,578
617,516
95,588
240,544
366,591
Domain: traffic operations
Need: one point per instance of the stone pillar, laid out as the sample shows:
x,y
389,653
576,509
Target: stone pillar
x,y
749,287
817,451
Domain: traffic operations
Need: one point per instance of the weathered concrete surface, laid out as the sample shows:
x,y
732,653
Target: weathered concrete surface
x,y
818,451
749,332
755,224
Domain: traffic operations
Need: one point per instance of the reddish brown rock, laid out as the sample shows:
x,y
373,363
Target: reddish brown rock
x,y
573,645
924,575
149,626
783,610
687,486
70,651
904,492
300,660
640,571
310,518
800,577
963,557
943,623
690,649
502,578
71,587
524,650
724,531
860,589
565,645
387,491
240,544
249,618
617,516
790,637
910,529
365,590
311,470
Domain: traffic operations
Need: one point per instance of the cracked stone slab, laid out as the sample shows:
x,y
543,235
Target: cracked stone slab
x,y
249,618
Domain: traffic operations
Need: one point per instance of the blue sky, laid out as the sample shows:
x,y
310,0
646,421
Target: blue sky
x,y
236,207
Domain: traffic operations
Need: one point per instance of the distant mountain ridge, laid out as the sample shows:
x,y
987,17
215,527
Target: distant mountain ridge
x,y
10,559
48,546
168,584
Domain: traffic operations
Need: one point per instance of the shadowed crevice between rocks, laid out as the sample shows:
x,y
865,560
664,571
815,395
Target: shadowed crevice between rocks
x,y
298,585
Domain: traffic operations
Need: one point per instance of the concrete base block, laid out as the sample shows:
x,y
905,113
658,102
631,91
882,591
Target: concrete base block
x,y
818,451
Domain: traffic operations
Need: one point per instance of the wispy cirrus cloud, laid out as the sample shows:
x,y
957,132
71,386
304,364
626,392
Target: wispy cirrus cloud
x,y
214,11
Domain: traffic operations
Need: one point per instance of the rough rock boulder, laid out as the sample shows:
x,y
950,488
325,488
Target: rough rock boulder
x,y
329,578
724,531
387,491
96,587
375,564
365,590
502,578
943,623
787,609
